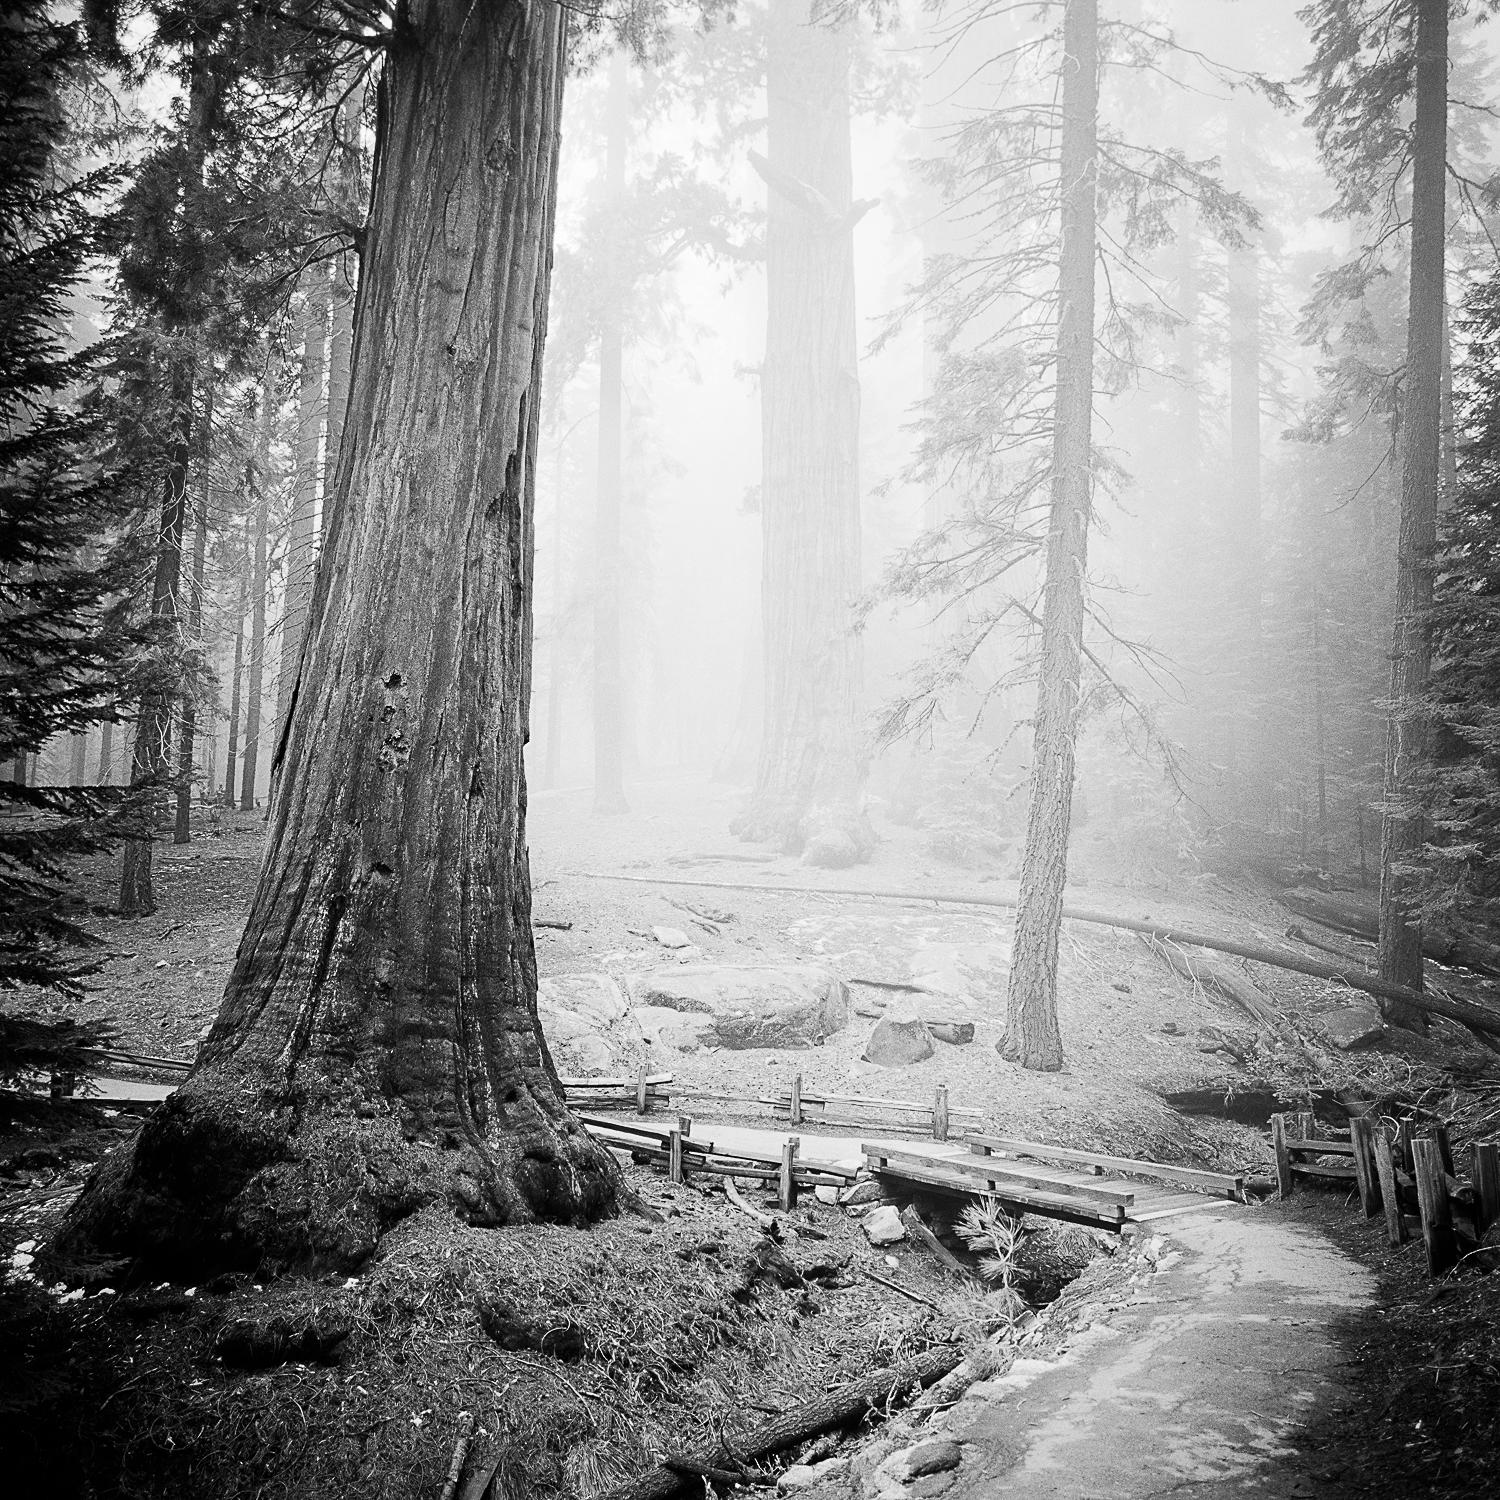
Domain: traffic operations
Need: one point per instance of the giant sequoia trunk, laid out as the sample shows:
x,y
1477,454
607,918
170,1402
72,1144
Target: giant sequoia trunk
x,y
810,776
1031,1033
1404,825
378,1047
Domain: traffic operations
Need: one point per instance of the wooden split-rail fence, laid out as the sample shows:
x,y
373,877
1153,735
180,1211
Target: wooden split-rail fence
x,y
796,1104
1394,1173
645,1092
686,1155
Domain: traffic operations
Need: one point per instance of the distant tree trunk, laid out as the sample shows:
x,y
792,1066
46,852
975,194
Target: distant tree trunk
x,y
1403,821
1240,539
609,686
78,758
186,770
254,690
552,773
242,600
149,762
378,1049
103,776
302,533
1031,1033
808,792
345,281
340,352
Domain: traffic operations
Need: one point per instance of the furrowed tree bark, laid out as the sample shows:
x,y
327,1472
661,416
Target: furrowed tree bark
x,y
609,686
260,485
1403,819
1031,1035
378,1048
808,793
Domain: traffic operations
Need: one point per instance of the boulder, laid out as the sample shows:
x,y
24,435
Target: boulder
x,y
595,996
784,1005
883,1226
1351,1025
682,1031
936,1457
671,937
585,1023
868,1191
898,1044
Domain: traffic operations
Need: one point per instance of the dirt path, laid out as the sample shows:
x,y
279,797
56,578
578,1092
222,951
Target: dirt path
x,y
1193,1383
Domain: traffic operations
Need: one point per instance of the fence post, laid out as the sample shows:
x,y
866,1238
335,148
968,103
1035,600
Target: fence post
x,y
1484,1169
940,1113
1437,1214
1283,1156
1362,1135
796,1110
1390,1191
786,1188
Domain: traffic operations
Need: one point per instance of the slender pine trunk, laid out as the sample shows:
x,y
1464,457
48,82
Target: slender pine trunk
x,y
186,769
254,689
1031,1034
104,776
302,532
237,676
1403,820
150,759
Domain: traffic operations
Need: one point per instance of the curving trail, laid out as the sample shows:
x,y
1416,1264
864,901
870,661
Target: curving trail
x,y
1189,1387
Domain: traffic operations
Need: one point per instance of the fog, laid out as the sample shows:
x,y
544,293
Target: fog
x,y
1244,492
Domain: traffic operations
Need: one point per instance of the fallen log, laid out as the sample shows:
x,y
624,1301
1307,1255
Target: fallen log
x,y
836,1409
916,1227
1466,1013
1359,916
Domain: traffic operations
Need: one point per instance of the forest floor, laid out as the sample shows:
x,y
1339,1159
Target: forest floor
x,y
134,1394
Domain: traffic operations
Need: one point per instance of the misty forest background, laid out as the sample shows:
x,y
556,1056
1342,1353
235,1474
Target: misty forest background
x,y
805,408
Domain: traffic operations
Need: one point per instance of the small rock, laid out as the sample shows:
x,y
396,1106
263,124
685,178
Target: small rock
x,y
955,1033
1171,1028
826,1194
883,1226
868,1191
798,1477
1120,985
936,1457
671,937
898,1044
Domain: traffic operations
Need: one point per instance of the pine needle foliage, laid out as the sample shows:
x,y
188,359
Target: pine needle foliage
x,y
65,568
1466,628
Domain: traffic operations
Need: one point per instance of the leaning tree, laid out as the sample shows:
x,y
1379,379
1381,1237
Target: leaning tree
x,y
378,1048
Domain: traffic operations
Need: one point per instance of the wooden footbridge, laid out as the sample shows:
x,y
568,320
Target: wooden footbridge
x,y
1058,1182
